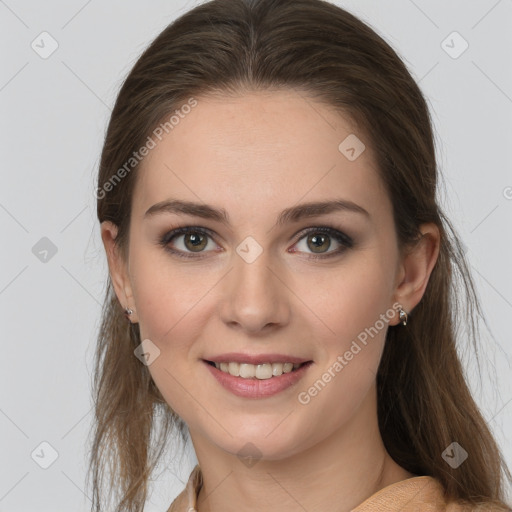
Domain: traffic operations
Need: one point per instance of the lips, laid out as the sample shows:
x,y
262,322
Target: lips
x,y
254,388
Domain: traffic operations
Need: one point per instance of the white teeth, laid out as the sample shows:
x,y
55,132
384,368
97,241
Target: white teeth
x,y
277,369
234,369
287,367
264,371
247,371
260,371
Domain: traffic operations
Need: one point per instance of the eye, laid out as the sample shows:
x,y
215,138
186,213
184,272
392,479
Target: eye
x,y
194,240
319,241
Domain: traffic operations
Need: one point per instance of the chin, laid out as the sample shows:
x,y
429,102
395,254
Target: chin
x,y
262,441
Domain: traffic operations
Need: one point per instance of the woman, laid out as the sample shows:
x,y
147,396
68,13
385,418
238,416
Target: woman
x,y
267,200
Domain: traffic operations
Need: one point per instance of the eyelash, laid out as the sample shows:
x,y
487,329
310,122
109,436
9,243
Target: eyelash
x,y
344,240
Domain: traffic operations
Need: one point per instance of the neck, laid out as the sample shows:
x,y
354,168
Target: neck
x,y
338,473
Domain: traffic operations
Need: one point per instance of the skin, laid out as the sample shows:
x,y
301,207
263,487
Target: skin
x,y
255,155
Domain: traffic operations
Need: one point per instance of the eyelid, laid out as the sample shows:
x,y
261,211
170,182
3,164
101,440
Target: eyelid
x,y
327,229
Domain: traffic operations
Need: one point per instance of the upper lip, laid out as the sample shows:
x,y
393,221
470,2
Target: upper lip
x,y
238,357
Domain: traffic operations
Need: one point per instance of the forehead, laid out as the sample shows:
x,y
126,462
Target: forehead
x,y
262,151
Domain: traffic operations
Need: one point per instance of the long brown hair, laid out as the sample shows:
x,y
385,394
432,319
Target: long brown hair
x,y
311,46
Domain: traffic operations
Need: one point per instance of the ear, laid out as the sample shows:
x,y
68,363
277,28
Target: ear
x,y
118,268
415,268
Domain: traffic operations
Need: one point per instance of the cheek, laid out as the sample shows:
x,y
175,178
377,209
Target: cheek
x,y
349,358
168,296
172,310
355,310
349,300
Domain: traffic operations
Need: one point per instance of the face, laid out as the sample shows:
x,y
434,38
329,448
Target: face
x,y
315,288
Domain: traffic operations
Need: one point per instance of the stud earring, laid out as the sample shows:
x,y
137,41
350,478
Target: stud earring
x,y
127,313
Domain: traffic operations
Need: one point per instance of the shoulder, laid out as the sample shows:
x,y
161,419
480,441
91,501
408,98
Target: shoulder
x,y
179,504
186,500
466,507
418,494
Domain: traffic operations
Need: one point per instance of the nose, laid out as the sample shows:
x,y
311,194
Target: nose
x,y
255,299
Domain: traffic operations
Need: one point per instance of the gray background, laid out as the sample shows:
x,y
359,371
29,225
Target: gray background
x,y
54,113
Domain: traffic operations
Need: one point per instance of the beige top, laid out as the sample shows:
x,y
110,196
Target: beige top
x,y
416,494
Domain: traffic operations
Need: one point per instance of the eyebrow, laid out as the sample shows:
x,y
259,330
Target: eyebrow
x,y
292,214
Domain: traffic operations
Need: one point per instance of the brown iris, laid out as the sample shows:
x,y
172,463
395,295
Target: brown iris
x,y
318,240
197,241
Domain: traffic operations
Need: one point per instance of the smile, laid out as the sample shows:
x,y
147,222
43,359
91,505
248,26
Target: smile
x,y
257,380
259,371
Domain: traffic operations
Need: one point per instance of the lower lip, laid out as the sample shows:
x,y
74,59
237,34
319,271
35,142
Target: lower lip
x,y
257,388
